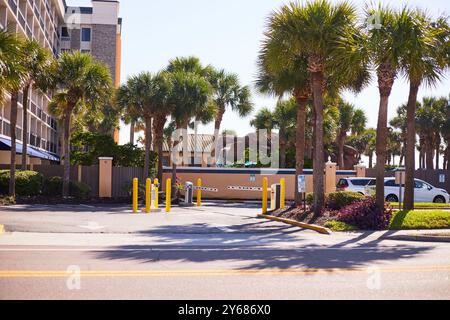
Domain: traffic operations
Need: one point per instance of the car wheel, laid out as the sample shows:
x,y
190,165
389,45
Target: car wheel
x,y
439,199
392,198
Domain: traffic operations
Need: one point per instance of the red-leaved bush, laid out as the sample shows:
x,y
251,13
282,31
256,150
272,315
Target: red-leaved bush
x,y
366,215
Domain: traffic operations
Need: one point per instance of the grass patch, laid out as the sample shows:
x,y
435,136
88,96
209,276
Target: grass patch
x,y
339,226
425,204
420,219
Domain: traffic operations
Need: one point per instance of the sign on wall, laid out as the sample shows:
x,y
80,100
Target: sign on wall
x,y
442,178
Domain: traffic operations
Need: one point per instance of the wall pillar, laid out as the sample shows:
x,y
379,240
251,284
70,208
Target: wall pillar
x,y
105,177
330,177
360,171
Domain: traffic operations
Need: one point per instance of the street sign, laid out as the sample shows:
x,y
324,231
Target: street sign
x,y
252,177
243,188
301,184
442,178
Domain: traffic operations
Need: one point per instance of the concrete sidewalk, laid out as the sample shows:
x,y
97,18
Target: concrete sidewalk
x,y
435,235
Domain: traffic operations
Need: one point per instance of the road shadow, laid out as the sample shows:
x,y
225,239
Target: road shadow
x,y
256,256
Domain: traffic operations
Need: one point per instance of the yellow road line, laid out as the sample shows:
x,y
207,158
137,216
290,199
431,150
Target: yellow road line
x,y
204,273
2,229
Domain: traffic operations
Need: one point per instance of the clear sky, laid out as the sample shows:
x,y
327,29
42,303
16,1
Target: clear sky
x,y
227,34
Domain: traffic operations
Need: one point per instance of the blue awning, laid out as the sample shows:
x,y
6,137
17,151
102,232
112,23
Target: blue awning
x,y
5,144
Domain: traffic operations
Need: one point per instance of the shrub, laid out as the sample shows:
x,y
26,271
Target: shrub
x,y
79,190
28,183
339,200
53,187
339,226
366,215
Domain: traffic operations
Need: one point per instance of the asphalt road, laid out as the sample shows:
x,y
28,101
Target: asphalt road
x,y
216,252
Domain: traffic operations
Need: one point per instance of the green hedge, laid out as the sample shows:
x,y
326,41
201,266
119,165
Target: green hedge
x,y
28,183
337,200
53,187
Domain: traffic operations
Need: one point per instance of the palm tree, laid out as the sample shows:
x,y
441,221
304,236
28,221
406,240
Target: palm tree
x,y
399,122
385,49
228,93
326,35
350,119
284,117
281,72
147,95
82,82
189,99
12,75
36,62
421,64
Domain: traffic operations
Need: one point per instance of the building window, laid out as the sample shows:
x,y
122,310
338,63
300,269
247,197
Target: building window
x,y
86,34
86,51
65,32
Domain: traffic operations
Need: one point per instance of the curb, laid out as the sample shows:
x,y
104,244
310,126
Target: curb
x,y
2,229
319,229
418,238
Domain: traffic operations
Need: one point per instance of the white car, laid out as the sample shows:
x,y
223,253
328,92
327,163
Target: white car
x,y
354,184
423,191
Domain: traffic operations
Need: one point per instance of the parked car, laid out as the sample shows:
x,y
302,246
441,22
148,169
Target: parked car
x,y
353,184
423,191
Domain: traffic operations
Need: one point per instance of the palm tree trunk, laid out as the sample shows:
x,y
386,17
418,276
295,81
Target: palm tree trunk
x,y
381,148
300,145
175,159
66,175
26,92
148,144
319,163
217,123
438,149
282,134
340,145
410,161
371,161
13,123
132,128
160,121
430,155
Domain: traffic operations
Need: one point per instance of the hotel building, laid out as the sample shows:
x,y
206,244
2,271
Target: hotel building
x,y
57,27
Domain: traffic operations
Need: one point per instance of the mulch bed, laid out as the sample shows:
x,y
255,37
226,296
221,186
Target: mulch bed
x,y
302,215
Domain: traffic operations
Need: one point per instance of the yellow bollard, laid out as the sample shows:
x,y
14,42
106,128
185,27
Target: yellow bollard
x,y
135,195
148,195
264,195
283,193
168,194
156,182
199,193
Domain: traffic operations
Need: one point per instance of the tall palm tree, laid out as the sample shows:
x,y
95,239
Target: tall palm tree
x,y
321,31
281,72
384,43
189,99
12,75
83,81
37,61
421,64
146,95
228,93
